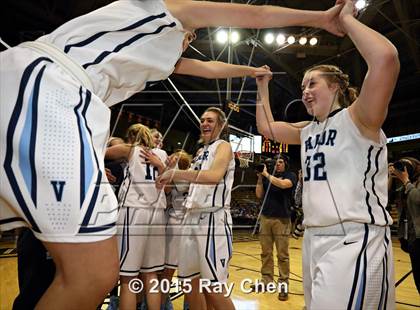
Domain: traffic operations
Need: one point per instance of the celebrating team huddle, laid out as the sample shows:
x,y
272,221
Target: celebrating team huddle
x,y
173,212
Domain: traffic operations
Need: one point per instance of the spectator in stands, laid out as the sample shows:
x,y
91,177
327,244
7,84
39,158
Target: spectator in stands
x,y
276,191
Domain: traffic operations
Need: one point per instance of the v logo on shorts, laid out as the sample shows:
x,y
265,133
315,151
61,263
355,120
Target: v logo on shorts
x,y
58,187
223,262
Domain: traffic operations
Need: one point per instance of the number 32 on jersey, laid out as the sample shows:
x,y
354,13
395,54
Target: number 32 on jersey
x,y
315,167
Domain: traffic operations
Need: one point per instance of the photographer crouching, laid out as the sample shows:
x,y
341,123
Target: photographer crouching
x,y
276,191
407,170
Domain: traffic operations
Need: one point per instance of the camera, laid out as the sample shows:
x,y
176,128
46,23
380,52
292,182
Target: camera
x,y
259,168
269,163
401,164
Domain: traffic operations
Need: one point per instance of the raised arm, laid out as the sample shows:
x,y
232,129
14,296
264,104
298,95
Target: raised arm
x,y
119,151
278,182
279,131
370,109
215,69
200,14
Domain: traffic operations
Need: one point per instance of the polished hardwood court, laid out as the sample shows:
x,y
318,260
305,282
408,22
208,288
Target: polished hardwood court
x,y
245,264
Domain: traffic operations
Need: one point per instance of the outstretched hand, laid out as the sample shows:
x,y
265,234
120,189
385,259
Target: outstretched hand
x,y
148,157
164,178
172,161
264,78
333,16
261,72
349,8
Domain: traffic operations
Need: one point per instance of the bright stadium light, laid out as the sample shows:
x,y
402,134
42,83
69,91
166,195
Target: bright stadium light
x,y
222,36
291,39
313,41
360,4
234,37
269,38
303,40
281,39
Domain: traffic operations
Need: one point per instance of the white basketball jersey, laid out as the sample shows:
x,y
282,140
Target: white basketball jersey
x,y
122,46
345,175
138,188
215,195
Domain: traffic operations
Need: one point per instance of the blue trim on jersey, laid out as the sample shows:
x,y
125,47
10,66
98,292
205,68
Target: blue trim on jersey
x,y
97,228
125,246
386,271
224,188
373,184
11,129
372,219
86,167
362,286
210,233
228,236
33,133
214,195
99,178
86,160
212,242
92,203
357,270
24,162
87,155
82,149
123,191
127,43
100,34
28,139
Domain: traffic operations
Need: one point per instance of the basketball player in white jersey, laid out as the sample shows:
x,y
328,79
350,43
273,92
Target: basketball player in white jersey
x,y
141,223
347,250
175,212
207,228
55,94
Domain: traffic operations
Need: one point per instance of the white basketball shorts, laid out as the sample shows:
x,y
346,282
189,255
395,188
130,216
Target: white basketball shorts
x,y
206,245
141,240
348,266
52,136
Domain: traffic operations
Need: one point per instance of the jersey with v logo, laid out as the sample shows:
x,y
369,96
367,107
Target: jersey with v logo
x,y
58,187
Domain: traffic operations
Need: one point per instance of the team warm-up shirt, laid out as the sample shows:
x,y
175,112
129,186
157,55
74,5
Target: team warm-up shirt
x,y
345,175
215,195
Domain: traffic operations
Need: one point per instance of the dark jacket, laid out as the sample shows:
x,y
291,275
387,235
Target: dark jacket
x,y
277,201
